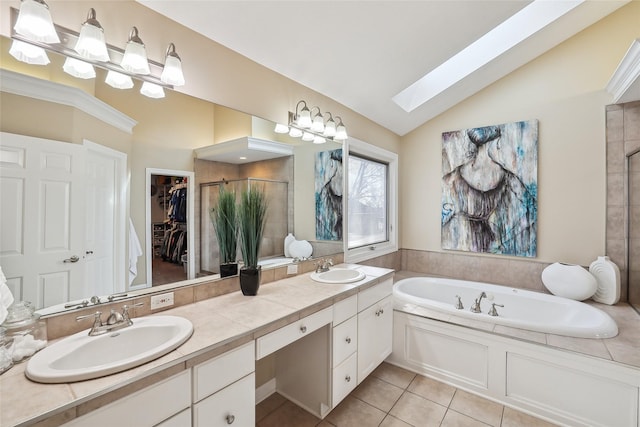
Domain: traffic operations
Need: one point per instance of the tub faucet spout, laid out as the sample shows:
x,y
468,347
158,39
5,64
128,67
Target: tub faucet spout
x,y
476,305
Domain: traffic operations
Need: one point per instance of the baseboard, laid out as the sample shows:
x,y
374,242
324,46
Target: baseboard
x,y
265,390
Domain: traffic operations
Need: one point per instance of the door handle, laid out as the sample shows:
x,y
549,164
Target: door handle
x,y
72,259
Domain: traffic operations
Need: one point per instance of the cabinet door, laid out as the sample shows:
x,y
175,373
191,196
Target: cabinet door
x,y
233,405
375,328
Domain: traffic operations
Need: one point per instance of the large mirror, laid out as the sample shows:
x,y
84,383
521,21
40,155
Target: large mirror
x,y
168,142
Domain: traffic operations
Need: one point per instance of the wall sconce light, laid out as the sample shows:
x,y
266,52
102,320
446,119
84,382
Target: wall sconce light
x,y
34,33
301,125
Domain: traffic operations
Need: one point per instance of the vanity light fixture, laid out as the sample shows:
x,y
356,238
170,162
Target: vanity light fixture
x,y
135,55
85,50
317,129
91,44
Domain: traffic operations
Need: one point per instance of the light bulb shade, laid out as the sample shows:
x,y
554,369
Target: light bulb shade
x,y
304,119
307,136
28,53
319,140
172,71
34,22
318,124
295,133
79,69
280,128
134,59
330,129
118,80
341,133
91,44
152,90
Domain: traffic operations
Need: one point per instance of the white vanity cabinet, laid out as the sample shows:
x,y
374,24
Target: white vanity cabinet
x,y
345,346
148,407
375,327
224,388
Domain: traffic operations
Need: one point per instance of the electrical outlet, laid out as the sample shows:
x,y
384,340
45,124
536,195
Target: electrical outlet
x,y
162,300
292,269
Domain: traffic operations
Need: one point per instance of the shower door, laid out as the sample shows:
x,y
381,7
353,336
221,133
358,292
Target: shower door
x,y
633,245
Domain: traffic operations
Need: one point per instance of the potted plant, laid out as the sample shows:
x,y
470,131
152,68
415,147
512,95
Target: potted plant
x,y
225,224
252,214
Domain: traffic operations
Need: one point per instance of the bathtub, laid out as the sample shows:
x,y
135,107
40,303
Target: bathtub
x,y
522,309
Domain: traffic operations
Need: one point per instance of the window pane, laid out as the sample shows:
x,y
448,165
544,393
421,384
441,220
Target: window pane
x,y
367,202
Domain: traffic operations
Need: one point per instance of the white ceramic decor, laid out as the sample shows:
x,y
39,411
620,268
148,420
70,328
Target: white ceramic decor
x,y
287,241
569,281
607,276
300,249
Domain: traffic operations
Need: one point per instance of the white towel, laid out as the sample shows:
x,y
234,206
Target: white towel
x,y
6,297
135,250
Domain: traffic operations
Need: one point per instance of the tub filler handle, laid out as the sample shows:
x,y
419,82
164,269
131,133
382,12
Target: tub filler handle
x,y
458,304
492,310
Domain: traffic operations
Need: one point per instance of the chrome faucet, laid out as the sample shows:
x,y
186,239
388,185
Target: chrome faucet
x,y
114,322
323,265
476,305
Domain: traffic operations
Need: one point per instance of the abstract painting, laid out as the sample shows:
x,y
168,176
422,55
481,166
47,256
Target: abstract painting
x,y
328,194
490,189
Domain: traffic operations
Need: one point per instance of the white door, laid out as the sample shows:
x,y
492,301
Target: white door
x,y
104,221
42,218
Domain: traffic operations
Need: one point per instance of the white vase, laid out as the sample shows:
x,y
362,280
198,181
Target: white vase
x,y
607,276
569,281
287,241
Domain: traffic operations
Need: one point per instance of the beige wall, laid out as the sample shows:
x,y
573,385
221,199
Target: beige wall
x,y
564,90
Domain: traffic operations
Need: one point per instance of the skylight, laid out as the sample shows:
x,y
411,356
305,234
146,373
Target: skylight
x,y
505,36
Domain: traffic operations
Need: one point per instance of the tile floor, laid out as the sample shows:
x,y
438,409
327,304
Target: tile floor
x,y
394,397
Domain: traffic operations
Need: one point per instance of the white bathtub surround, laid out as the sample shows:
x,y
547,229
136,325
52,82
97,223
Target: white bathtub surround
x,y
607,275
527,310
569,281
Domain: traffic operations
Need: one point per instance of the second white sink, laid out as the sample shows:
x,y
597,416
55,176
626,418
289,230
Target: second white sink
x,y
81,357
338,275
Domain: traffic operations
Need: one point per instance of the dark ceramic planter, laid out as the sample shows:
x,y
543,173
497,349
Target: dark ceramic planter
x,y
250,280
229,269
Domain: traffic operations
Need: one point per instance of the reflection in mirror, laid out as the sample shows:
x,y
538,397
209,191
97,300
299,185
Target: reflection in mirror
x,y
165,135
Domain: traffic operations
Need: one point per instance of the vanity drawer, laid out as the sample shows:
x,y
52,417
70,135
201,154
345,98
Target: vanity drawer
x,y
374,294
344,379
219,372
275,340
233,405
342,310
345,340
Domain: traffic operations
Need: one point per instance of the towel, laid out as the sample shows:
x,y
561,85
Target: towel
x,y
135,250
6,297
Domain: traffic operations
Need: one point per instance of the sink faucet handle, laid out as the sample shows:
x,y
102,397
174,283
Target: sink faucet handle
x,y
459,305
97,321
125,312
492,310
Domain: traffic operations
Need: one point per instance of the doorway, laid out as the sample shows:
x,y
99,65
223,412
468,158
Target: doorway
x,y
169,226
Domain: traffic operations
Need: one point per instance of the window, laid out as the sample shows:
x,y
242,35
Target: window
x,y
372,201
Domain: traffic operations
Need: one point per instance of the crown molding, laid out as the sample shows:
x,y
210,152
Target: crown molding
x,y
624,85
45,90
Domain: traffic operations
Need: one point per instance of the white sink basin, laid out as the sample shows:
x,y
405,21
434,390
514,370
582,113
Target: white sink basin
x,y
81,357
338,275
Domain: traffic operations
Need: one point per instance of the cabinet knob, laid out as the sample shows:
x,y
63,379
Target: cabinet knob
x,y
230,419
347,378
303,329
348,340
380,312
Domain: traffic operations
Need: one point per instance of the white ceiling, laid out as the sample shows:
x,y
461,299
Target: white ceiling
x,y
363,53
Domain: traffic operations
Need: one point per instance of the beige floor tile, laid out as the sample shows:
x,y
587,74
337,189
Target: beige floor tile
x,y
513,418
355,413
325,423
289,415
456,419
269,405
391,421
477,408
378,393
392,374
418,411
433,390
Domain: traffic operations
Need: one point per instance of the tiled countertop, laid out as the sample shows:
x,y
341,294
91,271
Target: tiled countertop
x,y
220,324
623,348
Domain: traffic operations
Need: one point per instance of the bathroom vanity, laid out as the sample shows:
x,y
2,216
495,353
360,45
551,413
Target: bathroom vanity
x,y
325,338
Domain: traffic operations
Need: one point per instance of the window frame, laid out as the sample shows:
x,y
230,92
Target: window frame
x,y
374,153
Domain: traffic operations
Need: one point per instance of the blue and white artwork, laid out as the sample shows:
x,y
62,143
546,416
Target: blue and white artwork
x,y
490,189
328,194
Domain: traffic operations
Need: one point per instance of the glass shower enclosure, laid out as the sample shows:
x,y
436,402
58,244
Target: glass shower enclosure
x,y
276,227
